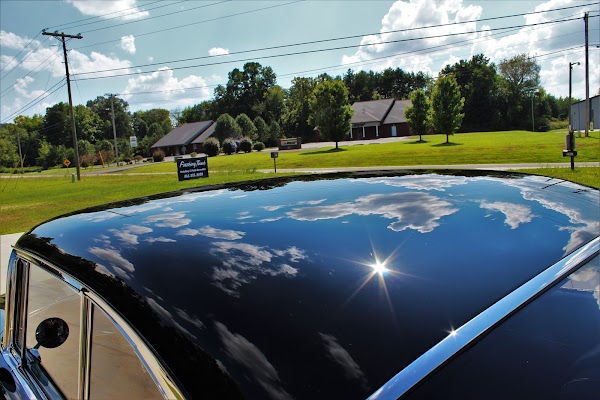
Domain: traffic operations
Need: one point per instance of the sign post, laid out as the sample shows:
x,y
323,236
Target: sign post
x,y
274,155
569,150
192,168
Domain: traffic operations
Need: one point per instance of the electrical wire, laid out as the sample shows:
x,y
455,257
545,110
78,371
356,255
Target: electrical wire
x,y
104,19
30,104
301,52
24,58
23,49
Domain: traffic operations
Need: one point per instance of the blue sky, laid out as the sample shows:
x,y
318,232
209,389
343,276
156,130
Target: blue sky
x,y
125,35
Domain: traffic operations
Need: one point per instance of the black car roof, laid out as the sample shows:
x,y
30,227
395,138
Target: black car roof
x,y
316,287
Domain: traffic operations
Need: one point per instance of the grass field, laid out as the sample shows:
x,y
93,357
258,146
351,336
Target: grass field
x,y
26,202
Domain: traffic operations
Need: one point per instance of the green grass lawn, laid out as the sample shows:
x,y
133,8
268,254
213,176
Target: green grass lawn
x,y
27,202
468,148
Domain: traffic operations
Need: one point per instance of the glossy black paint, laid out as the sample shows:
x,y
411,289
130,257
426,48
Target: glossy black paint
x,y
271,289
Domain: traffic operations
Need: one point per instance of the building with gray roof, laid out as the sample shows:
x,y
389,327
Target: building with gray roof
x,y
379,118
185,139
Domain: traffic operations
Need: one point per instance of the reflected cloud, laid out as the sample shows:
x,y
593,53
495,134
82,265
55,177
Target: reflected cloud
x,y
587,279
137,229
341,357
422,182
249,356
167,317
241,263
169,220
214,233
293,252
589,225
192,320
515,214
114,259
129,234
270,219
160,239
413,210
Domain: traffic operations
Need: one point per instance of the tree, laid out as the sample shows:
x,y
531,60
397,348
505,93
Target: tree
x,y
9,156
226,127
87,123
123,121
160,116
271,107
262,129
275,133
57,125
446,106
296,109
196,113
477,80
416,115
246,126
520,80
245,90
330,110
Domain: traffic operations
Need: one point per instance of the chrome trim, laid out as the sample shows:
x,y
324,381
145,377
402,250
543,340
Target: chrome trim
x,y
85,346
159,374
49,267
161,377
483,323
22,380
9,301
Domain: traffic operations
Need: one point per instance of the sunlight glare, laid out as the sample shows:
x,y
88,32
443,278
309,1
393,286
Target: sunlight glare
x,y
379,267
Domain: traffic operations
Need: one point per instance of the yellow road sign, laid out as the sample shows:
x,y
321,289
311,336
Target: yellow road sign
x,y
67,163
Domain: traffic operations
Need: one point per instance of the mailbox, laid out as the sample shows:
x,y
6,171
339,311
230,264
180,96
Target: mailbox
x,y
274,154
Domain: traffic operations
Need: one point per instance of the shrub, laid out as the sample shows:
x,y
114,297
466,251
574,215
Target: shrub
x,y
212,147
229,146
193,154
259,146
138,158
158,155
245,145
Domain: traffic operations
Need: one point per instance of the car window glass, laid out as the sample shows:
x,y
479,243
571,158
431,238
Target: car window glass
x,y
549,349
116,370
50,297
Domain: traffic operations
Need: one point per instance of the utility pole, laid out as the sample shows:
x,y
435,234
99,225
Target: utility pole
x,y
63,36
571,141
112,111
587,79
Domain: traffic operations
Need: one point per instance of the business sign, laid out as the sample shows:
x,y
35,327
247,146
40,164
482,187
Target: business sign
x,y
133,141
290,143
192,168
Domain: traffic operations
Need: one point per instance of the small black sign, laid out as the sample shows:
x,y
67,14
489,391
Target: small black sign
x,y
192,168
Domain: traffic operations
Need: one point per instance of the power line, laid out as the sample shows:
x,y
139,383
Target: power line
x,y
194,23
302,52
103,19
24,58
55,55
23,49
29,105
345,37
363,62
157,16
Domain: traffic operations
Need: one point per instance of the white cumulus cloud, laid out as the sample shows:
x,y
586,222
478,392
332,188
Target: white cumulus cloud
x,y
128,43
218,51
123,9
161,86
